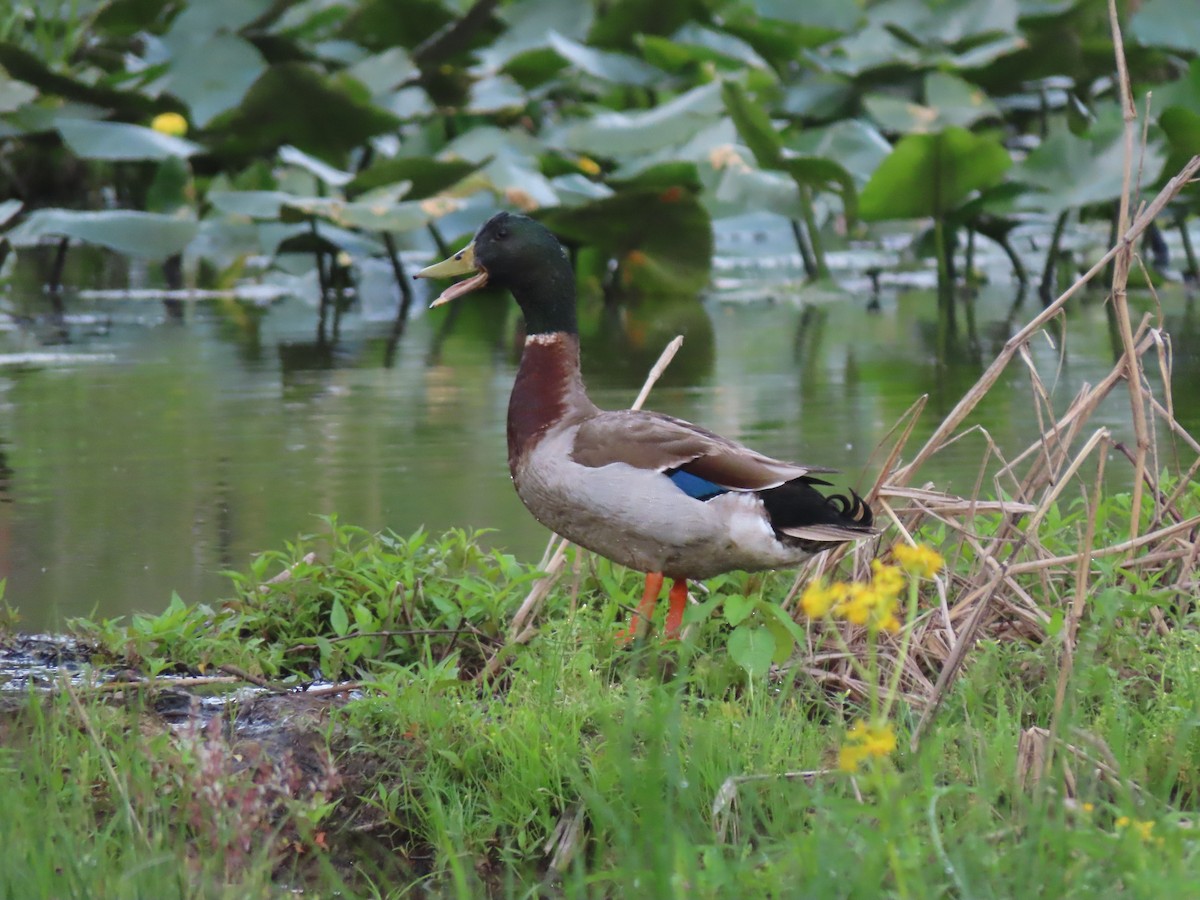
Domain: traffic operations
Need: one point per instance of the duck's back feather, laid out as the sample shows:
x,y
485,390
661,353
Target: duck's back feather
x,y
648,440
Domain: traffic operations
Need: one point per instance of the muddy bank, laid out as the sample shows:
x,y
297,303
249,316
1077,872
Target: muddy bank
x,y
272,755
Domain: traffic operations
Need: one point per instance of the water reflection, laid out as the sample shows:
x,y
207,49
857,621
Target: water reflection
x,y
155,457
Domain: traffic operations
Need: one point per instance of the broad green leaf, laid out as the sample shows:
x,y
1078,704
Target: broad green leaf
x,y
198,22
661,177
738,607
822,97
948,23
530,24
784,642
618,68
620,23
214,75
948,101
338,620
144,235
384,71
8,209
742,189
931,174
755,128
14,94
662,240
495,93
823,175
957,102
31,69
1167,23
255,204
328,174
718,46
294,104
393,217
752,648
120,141
1182,128
837,15
673,122
1073,172
856,145
426,175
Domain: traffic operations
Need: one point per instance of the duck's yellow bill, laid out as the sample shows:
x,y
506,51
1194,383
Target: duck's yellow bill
x,y
461,263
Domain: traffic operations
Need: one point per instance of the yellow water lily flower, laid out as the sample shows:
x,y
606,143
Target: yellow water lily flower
x,y
171,123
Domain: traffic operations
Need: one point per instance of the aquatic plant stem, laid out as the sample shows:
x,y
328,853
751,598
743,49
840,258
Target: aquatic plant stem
x,y
821,269
972,398
1124,257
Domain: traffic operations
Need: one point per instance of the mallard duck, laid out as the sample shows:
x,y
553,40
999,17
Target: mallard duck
x,y
646,490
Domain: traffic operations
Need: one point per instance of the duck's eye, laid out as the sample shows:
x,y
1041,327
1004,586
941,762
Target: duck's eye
x,y
501,234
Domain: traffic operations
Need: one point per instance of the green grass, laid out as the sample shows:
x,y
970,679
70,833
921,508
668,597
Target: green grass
x,y
452,787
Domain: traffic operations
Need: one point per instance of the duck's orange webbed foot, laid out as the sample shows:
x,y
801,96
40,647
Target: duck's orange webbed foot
x,y
679,597
639,622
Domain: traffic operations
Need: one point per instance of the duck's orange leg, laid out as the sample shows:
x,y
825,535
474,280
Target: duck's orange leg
x,y
640,620
679,596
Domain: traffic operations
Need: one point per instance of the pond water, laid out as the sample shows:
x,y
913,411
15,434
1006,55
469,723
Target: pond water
x,y
144,456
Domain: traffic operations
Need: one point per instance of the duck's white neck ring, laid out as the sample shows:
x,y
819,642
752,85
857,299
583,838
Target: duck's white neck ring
x,y
543,338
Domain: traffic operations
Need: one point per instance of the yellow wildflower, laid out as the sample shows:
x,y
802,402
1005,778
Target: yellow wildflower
x,y
855,604
865,741
920,561
888,580
1143,829
171,123
818,598
866,604
588,166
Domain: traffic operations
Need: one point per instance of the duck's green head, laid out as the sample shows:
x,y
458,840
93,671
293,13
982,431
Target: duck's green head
x,y
518,254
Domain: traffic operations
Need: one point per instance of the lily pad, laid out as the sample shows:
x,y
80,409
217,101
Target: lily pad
x,y
425,175
121,141
662,240
14,94
1071,172
147,236
214,76
8,209
931,174
293,103
836,15
628,133
1167,23
857,146
949,100
367,216
530,24
25,66
322,171
755,128
618,68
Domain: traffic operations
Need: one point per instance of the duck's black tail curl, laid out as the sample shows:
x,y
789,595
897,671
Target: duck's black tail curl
x,y
801,513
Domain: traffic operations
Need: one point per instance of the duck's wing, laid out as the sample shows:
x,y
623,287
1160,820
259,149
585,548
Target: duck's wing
x,y
648,440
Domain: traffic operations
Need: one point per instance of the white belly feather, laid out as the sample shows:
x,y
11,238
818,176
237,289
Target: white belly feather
x,y
639,518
